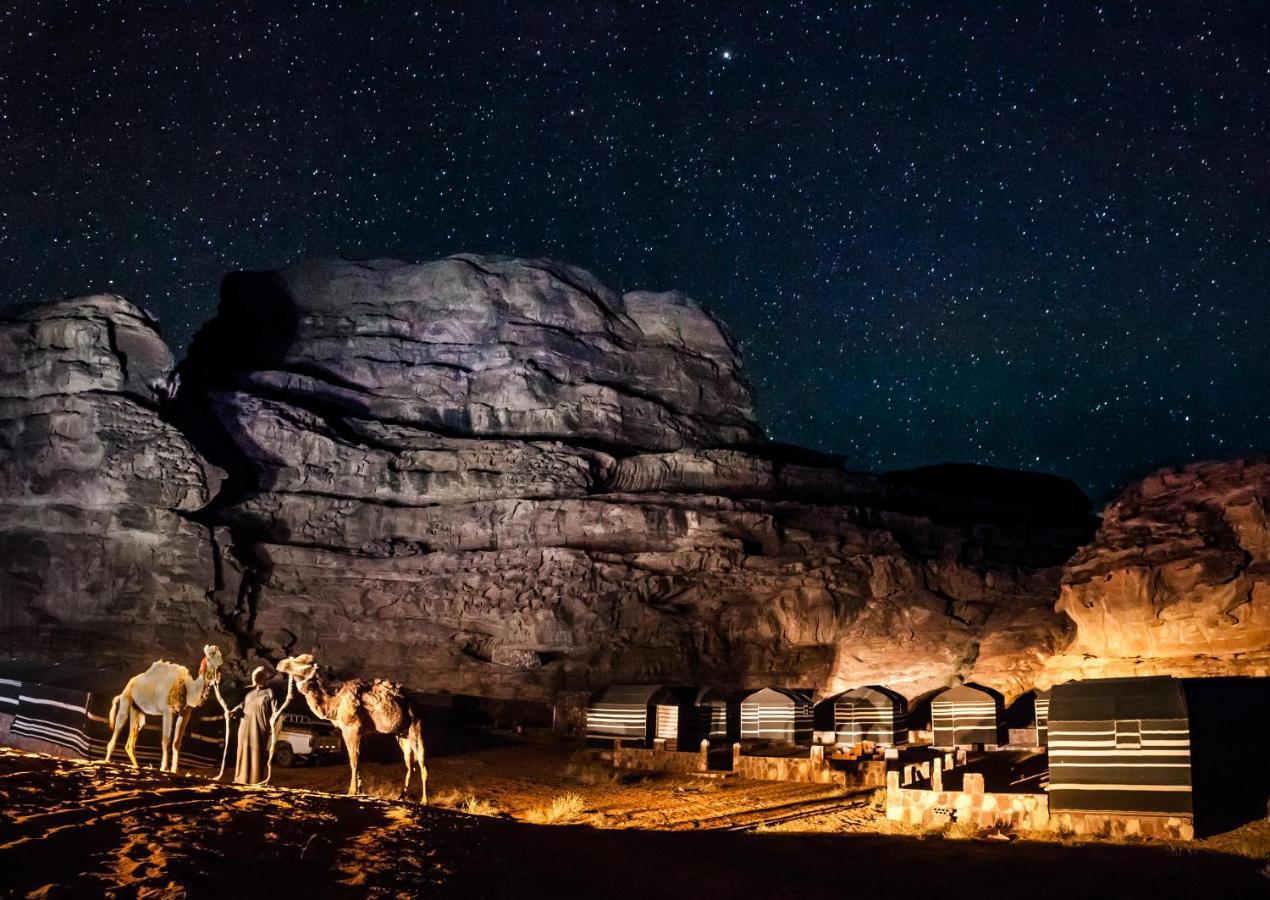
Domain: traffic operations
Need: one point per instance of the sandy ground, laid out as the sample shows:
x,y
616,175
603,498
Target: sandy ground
x,y
72,828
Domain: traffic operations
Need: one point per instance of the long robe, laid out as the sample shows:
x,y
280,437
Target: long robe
x,y
253,736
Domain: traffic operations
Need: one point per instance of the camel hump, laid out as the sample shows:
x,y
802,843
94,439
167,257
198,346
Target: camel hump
x,y
163,667
386,691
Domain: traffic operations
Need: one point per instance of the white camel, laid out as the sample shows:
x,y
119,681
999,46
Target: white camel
x,y
165,689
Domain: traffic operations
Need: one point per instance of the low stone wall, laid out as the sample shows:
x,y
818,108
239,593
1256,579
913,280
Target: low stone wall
x,y
661,760
980,809
1175,828
781,768
812,768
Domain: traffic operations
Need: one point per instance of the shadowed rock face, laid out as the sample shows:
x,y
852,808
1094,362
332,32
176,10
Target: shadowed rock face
x,y
98,557
495,477
1177,580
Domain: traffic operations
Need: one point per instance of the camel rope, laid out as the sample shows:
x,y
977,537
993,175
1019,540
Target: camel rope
x,y
224,753
273,728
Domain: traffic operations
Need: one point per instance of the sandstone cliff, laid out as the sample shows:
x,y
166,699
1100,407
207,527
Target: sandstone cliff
x,y
99,558
1177,581
497,476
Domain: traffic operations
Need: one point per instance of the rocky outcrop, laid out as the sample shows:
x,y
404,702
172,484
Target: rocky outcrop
x,y
481,346
100,559
1177,580
498,477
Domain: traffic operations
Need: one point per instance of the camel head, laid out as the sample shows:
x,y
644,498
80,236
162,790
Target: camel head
x,y
301,668
212,662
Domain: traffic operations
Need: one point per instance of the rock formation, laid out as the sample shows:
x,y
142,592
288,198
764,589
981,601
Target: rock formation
x,y
1177,581
99,557
498,477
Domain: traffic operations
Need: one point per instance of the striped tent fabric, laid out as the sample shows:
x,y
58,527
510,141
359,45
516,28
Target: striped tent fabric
x,y
53,715
1120,745
870,714
1042,718
9,689
621,711
712,712
776,714
964,715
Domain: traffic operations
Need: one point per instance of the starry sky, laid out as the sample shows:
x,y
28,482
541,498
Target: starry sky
x,y
1031,234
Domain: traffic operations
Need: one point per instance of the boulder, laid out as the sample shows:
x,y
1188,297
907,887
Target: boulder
x,y
1177,580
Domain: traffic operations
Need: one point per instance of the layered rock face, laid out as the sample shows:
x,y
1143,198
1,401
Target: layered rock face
x,y
1177,581
99,559
499,477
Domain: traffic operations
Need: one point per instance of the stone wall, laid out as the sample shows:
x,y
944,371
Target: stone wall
x,y
1112,825
659,759
972,805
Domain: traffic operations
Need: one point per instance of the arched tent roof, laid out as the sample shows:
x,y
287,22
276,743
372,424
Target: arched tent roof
x,y
708,696
628,694
776,697
964,692
872,695
1107,699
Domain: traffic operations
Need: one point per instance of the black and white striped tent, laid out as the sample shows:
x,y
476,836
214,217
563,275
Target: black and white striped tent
x,y
776,714
963,716
1120,745
623,711
719,716
1042,718
677,719
65,708
870,713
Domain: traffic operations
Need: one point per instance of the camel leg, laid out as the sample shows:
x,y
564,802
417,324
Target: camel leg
x,y
407,752
165,740
353,744
416,738
136,721
121,710
178,733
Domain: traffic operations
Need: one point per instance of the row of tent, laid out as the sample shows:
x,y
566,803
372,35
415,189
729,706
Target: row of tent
x,y
67,706
1150,745
873,713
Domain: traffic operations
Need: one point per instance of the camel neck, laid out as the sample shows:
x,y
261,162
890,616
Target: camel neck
x,y
316,694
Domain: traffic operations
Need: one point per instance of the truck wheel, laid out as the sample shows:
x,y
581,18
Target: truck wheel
x,y
283,755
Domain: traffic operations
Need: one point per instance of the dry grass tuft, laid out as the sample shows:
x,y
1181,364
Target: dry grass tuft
x,y
563,808
960,831
592,772
474,806
447,799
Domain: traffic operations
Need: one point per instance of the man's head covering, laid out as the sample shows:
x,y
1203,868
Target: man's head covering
x,y
260,676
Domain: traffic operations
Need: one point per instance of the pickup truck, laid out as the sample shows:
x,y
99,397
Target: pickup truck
x,y
305,738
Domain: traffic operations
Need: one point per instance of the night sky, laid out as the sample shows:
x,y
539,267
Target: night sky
x,y
1026,234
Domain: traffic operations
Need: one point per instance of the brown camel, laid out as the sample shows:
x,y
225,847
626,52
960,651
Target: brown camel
x,y
355,706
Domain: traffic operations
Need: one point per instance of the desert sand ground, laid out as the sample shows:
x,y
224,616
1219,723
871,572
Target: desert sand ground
x,y
74,828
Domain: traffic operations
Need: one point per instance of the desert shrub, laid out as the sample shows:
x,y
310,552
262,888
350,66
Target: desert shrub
x,y
474,806
591,771
447,799
960,831
561,809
